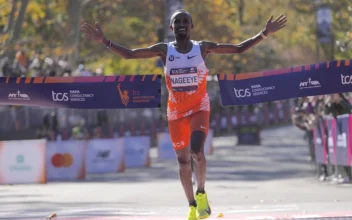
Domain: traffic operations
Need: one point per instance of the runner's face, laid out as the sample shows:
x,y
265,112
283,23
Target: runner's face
x,y
181,25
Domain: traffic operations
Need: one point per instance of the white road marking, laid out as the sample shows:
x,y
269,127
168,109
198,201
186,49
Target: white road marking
x,y
260,217
306,216
117,210
263,210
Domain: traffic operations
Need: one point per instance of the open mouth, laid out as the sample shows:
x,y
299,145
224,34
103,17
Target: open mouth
x,y
182,30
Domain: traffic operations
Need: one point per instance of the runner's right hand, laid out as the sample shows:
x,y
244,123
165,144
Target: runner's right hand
x,y
93,33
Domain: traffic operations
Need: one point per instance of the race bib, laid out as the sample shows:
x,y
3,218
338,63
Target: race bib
x,y
184,79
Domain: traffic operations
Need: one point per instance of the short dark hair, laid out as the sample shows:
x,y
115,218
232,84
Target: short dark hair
x,y
179,11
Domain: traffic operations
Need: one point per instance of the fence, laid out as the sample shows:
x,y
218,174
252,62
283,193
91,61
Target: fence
x,y
41,161
125,146
333,140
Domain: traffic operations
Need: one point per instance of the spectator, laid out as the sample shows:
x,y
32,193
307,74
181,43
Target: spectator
x,y
306,119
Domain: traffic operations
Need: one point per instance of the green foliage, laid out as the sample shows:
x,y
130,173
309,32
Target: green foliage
x,y
134,23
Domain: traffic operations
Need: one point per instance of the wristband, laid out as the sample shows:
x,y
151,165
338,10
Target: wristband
x,y
263,35
108,45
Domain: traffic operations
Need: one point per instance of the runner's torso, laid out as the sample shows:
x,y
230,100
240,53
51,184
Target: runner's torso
x,y
186,82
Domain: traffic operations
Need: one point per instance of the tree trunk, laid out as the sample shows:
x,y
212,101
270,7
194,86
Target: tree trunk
x,y
75,13
241,11
18,26
15,32
11,18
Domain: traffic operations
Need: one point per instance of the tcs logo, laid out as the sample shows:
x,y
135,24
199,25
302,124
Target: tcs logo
x,y
59,97
241,93
178,144
346,80
62,160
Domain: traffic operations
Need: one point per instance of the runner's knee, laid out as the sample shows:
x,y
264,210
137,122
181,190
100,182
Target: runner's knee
x,y
197,141
183,160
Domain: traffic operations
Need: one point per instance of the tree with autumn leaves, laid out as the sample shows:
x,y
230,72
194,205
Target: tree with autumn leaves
x,y
53,28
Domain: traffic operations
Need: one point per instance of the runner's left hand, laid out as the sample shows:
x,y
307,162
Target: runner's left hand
x,y
277,24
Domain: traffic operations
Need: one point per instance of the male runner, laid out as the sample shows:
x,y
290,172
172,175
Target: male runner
x,y
188,103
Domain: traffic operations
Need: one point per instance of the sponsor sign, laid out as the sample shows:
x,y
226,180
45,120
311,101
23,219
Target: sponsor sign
x,y
136,151
65,160
22,162
320,144
83,92
105,156
343,146
272,85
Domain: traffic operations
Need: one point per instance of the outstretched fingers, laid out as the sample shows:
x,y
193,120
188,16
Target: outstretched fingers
x,y
97,26
271,18
278,23
86,31
279,18
279,27
87,28
282,21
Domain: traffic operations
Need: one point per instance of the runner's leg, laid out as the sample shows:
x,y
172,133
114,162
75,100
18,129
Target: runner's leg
x,y
199,132
180,134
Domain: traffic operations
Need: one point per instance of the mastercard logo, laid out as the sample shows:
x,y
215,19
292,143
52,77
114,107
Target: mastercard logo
x,y
62,160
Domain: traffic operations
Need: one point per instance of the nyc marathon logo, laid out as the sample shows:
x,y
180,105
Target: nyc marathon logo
x,y
133,95
309,84
18,96
123,95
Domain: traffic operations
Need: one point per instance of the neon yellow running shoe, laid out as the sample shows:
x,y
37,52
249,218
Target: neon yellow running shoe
x,y
203,208
192,213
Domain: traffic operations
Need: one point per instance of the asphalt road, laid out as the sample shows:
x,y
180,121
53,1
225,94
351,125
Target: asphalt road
x,y
271,181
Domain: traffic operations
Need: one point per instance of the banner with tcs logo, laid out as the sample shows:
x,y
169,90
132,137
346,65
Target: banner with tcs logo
x,y
272,85
83,92
65,160
22,162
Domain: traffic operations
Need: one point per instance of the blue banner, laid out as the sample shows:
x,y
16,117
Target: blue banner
x,y
96,92
310,80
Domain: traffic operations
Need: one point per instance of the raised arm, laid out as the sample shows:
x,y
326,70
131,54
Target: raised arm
x,y
156,50
271,27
